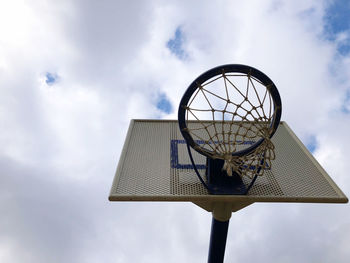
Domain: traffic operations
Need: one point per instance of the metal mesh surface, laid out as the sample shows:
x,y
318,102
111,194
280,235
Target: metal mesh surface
x,y
154,165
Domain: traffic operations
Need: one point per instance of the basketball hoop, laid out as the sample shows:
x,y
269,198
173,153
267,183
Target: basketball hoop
x,y
229,115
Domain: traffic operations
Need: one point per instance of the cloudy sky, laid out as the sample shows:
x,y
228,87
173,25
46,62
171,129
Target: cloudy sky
x,y
73,74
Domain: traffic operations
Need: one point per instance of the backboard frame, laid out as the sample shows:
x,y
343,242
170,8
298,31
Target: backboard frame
x,y
208,201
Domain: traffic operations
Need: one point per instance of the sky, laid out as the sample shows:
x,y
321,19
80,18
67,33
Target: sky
x,y
73,74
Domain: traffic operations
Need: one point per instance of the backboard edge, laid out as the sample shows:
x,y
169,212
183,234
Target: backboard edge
x,y
315,162
121,159
228,198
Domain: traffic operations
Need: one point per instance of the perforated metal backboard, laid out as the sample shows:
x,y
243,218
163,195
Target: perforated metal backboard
x,y
154,166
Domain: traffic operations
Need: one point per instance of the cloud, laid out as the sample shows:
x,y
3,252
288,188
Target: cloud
x,y
60,144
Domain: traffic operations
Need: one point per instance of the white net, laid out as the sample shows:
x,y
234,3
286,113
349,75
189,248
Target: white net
x,y
232,112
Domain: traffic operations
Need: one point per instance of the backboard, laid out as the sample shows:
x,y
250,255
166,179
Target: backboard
x,y
154,166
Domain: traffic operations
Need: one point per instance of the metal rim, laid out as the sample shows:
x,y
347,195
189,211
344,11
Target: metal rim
x,y
229,68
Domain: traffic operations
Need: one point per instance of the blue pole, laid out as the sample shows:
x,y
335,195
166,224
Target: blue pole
x,y
217,243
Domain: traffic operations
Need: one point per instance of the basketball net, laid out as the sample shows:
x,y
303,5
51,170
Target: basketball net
x,y
250,121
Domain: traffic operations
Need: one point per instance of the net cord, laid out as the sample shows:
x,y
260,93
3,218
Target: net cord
x,y
257,128
206,185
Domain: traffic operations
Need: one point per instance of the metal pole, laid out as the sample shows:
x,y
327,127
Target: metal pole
x,y
217,243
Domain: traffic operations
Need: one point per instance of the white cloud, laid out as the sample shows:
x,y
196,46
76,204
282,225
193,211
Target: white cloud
x,y
60,143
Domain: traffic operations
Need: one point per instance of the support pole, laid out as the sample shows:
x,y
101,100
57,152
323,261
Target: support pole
x,y
217,243
222,212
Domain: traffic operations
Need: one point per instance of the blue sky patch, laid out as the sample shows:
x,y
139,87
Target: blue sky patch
x,y
175,45
338,21
51,78
311,144
346,104
164,104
